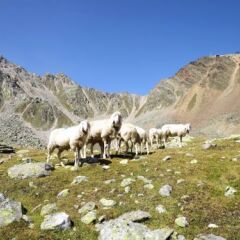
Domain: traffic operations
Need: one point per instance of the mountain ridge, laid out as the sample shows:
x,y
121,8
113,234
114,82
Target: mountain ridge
x,y
205,90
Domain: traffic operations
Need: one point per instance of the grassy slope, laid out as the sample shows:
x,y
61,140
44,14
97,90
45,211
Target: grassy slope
x,y
206,204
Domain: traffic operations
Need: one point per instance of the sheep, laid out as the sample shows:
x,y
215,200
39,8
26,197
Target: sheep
x,y
173,130
155,134
128,133
102,132
143,138
72,138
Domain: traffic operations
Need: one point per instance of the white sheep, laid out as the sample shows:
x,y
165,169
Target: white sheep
x,y
174,130
143,138
103,132
128,133
155,134
73,138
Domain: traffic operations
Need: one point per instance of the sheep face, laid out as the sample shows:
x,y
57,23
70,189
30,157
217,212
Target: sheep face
x,y
85,126
188,128
116,120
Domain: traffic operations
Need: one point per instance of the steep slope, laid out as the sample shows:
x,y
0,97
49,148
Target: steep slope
x,y
204,92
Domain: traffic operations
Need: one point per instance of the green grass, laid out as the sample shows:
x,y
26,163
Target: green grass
x,y
205,204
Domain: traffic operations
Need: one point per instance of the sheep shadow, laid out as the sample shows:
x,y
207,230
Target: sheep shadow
x,y
96,160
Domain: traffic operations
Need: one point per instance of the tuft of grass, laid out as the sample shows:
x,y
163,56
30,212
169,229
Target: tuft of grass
x,y
205,203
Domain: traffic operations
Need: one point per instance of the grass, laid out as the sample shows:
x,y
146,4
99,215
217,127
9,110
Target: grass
x,y
205,204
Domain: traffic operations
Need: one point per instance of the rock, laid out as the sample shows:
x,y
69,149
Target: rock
x,y
208,145
160,209
165,191
89,217
181,180
27,219
56,221
145,180
148,186
181,237
105,167
79,179
6,149
87,207
212,225
119,229
167,158
236,158
127,181
30,170
10,211
209,237
194,161
124,162
31,184
189,155
127,189
63,193
110,181
230,191
107,202
49,208
181,222
135,216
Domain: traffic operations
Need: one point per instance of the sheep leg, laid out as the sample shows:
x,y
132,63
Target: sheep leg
x,y
118,145
127,146
136,148
83,151
102,149
157,140
59,157
77,156
147,147
151,142
91,150
108,148
180,141
50,151
141,148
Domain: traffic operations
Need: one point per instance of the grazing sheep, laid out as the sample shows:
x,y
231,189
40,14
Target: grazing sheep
x,y
173,130
103,132
155,134
143,138
128,133
73,138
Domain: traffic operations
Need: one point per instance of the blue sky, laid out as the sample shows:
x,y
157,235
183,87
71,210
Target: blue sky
x,y
116,45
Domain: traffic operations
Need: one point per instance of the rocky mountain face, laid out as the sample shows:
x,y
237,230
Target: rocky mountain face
x,y
205,92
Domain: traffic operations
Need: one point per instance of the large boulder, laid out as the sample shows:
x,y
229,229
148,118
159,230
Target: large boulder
x,y
124,228
10,211
30,170
56,221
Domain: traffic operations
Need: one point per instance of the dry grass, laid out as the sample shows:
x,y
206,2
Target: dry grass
x,y
205,204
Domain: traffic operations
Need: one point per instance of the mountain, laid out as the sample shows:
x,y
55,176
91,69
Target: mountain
x,y
205,92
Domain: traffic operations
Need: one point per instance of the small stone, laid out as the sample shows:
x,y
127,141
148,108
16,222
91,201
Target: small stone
x,y
165,191
26,218
89,217
167,158
107,202
212,225
79,179
181,222
127,181
102,218
189,155
110,181
127,189
63,193
148,186
230,191
145,180
194,161
87,207
181,180
160,209
208,145
181,237
124,162
209,237
31,184
105,167
48,209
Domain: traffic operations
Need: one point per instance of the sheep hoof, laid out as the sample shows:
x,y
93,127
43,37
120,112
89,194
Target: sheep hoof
x,y
62,164
75,168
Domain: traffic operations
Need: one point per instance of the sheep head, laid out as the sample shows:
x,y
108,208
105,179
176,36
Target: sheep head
x,y
84,126
116,120
188,127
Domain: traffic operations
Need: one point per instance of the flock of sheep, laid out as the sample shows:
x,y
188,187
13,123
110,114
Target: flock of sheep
x,y
105,131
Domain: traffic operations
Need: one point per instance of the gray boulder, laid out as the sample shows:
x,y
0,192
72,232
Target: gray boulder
x,y
209,237
56,221
122,228
135,216
30,170
10,211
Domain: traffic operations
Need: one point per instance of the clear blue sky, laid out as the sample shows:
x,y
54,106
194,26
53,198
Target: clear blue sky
x,y
116,45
